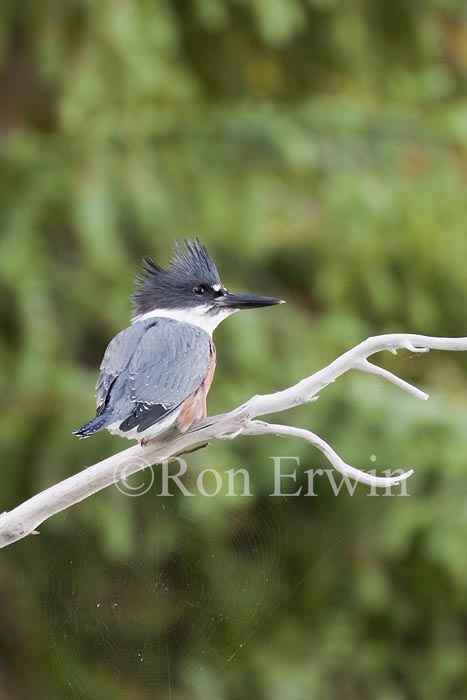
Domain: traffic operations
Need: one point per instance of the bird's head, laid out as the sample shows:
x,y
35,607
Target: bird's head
x,y
189,290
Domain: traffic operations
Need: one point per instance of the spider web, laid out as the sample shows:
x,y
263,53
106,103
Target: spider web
x,y
159,625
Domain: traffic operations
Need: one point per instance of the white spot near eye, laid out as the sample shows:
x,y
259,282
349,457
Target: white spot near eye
x,y
216,287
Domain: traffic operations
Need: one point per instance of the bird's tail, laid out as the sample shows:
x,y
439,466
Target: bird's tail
x,y
100,422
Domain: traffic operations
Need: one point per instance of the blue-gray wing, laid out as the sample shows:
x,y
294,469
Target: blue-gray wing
x,y
116,358
150,368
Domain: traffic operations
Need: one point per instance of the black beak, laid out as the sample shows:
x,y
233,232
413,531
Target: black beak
x,y
245,301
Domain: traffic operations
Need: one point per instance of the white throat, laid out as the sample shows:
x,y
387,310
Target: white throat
x,y
197,316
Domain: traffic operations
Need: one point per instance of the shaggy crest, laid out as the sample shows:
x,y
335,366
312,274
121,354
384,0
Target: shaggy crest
x,y
156,287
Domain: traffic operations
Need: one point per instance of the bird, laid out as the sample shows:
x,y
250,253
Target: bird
x,y
155,375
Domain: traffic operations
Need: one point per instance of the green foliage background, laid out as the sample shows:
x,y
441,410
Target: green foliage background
x,y
319,149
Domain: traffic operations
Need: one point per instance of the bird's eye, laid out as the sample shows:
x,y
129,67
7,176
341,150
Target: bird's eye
x,y
199,290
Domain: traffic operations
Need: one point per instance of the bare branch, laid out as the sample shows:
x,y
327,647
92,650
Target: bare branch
x,y
368,367
25,518
260,428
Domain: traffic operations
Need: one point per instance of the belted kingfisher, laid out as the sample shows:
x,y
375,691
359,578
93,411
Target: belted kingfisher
x,y
156,373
